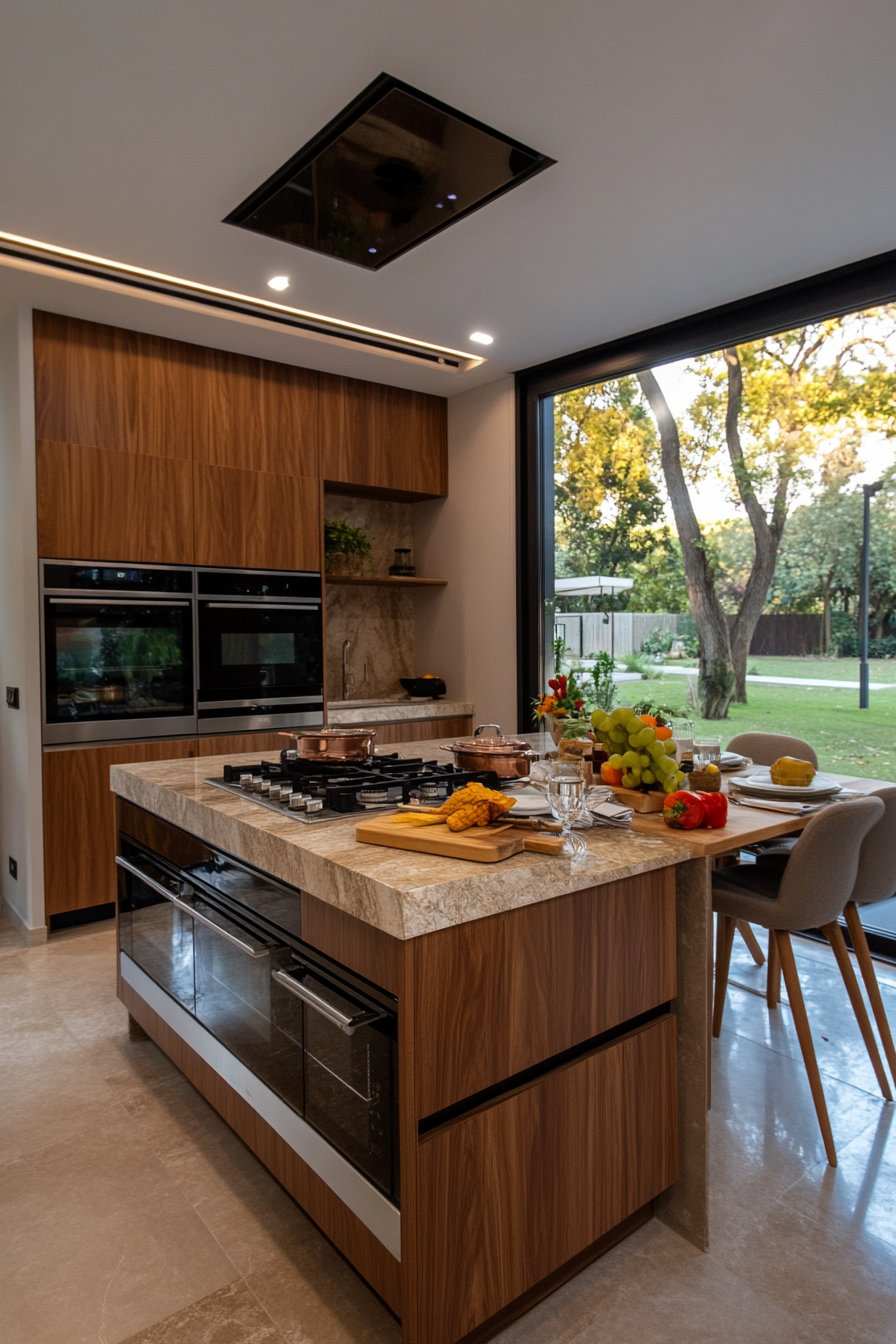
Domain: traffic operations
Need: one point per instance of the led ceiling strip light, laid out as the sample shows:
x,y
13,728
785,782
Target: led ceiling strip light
x,y
48,259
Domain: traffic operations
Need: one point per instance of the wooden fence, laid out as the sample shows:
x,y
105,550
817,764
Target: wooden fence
x,y
618,632
786,635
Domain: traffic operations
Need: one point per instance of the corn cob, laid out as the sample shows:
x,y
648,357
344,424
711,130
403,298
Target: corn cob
x,y
417,819
473,814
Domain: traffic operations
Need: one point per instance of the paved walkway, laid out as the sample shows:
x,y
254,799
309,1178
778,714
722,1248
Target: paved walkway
x,y
794,681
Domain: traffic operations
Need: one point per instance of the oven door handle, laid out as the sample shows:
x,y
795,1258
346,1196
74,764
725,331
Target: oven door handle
x,y
344,1021
247,944
258,606
118,602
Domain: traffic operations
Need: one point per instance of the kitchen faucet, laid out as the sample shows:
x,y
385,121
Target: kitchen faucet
x,y
348,681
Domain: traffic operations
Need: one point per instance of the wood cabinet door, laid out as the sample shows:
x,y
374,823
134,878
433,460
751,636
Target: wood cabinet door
x,y
104,387
79,819
100,504
527,984
384,439
233,744
255,519
509,1195
255,414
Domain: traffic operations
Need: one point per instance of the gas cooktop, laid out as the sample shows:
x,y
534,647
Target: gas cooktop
x,y
314,791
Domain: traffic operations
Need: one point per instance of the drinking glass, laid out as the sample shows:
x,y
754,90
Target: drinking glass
x,y
683,735
707,751
566,790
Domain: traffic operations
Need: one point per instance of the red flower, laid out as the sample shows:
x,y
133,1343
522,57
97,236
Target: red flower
x,y
579,704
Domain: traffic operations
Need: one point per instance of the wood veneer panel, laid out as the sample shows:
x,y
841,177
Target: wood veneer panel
x,y
360,1247
255,414
110,388
516,1190
79,819
384,438
101,504
421,730
233,744
255,519
529,983
357,945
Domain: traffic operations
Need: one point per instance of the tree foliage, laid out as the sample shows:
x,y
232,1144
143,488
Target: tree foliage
x,y
607,483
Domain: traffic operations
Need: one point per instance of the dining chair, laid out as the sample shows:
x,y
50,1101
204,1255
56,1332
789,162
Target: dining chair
x,y
765,749
875,881
806,893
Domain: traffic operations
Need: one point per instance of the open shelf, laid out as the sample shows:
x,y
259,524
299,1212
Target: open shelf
x,y
388,581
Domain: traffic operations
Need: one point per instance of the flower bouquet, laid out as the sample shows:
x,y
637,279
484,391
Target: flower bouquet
x,y
562,705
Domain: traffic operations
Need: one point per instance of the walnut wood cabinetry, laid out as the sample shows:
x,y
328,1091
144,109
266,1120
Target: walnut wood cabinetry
x,y
79,820
385,439
101,504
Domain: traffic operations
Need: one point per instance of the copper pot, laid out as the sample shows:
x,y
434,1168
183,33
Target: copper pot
x,y
335,744
110,694
509,757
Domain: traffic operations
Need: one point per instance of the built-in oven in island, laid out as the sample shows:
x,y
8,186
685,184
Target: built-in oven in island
x,y
260,650
117,651
221,942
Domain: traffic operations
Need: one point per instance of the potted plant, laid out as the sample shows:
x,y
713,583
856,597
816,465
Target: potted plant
x,y
562,706
347,549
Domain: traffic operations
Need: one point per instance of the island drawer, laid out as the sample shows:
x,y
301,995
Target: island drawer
x,y
496,996
517,1190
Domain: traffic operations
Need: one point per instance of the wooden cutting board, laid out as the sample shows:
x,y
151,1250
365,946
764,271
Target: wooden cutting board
x,y
478,844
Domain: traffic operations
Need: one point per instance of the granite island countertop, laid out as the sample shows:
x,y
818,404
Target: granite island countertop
x,y
405,894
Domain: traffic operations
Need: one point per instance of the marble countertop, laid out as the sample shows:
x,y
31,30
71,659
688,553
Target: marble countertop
x,y
343,713
404,894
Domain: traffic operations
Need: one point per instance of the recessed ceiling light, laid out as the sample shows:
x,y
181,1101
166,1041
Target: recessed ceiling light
x,y
278,282
481,337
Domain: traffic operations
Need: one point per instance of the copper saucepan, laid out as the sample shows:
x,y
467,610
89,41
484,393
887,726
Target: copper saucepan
x,y
335,744
509,757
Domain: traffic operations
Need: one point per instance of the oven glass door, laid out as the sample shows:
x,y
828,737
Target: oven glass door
x,y
152,931
238,1000
117,660
254,650
349,1079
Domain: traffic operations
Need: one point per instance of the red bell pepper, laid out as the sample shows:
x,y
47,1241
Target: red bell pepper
x,y
716,805
684,810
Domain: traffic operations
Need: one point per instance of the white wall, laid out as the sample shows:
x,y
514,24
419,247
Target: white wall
x,y
21,832
466,632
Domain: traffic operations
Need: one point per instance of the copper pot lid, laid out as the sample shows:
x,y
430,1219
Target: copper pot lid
x,y
480,746
332,732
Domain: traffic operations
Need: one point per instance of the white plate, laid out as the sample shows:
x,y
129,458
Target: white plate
x,y
529,803
759,782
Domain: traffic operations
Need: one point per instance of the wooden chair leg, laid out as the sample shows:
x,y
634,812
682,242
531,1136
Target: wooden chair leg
x,y
834,935
773,976
866,966
804,1034
724,944
745,930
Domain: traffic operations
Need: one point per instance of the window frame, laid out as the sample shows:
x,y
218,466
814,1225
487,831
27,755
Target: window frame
x,y
845,289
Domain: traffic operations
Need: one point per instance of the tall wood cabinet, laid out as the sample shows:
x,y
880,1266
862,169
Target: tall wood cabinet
x,y
154,450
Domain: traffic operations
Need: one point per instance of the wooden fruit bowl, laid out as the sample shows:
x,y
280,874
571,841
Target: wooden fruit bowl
x,y
640,802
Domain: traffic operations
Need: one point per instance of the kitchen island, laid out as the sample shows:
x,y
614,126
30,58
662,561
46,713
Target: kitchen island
x,y
550,1042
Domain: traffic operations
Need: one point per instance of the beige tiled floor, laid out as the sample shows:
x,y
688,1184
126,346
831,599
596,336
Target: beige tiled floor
x,y
129,1212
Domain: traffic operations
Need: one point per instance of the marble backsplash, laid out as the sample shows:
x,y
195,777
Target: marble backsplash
x,y
378,621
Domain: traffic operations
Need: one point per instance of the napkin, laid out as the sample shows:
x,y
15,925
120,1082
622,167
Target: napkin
x,y
796,809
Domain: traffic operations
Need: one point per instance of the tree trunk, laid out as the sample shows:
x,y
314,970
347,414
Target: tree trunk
x,y
826,620
767,536
716,676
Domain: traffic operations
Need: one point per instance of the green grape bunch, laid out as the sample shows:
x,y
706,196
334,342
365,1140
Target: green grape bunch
x,y
633,747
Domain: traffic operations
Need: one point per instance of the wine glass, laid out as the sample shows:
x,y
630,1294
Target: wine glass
x,y
566,789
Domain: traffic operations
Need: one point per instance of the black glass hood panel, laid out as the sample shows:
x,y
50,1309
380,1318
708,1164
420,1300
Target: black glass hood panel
x,y
391,170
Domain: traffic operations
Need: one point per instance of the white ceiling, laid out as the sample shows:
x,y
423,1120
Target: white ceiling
x,y
705,151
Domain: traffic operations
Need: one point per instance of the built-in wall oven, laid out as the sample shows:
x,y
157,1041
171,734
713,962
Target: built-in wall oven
x,y
260,650
117,649
224,942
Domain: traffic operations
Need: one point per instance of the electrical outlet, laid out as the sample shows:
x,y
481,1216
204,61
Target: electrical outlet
x,y
13,868
12,697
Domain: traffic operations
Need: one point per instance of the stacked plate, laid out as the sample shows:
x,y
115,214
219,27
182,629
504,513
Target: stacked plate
x,y
758,784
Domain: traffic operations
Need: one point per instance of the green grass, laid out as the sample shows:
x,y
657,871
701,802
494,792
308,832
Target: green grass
x,y
848,740
821,669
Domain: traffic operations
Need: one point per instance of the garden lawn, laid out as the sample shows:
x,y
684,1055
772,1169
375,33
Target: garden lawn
x,y
823,669
848,740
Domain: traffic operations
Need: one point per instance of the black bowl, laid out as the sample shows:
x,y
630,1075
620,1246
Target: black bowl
x,y
423,687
